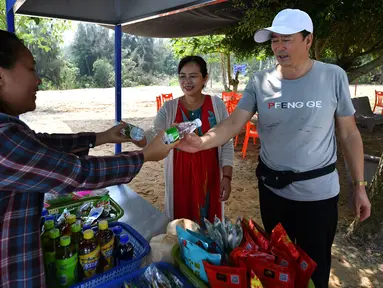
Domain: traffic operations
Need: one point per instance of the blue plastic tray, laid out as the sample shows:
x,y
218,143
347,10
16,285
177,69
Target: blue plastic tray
x,y
141,249
134,278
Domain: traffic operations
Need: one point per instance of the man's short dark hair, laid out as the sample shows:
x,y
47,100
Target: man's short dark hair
x,y
305,33
10,47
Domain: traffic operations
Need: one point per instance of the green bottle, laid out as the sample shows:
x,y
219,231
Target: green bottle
x,y
76,236
48,226
66,263
50,256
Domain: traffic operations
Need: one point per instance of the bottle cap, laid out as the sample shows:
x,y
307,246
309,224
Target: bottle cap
x,y
44,212
117,230
88,234
86,227
65,241
71,219
49,217
124,238
198,122
49,224
54,233
76,227
103,225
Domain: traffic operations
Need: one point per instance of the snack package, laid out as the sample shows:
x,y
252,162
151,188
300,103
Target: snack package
x,y
281,240
193,256
225,277
61,219
94,214
271,274
213,233
258,236
105,203
283,259
156,278
84,210
254,281
306,267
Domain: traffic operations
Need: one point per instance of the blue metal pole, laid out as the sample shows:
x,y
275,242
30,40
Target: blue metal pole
x,y
117,79
10,15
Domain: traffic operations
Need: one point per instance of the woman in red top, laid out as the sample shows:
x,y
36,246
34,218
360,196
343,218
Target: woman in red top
x,y
196,183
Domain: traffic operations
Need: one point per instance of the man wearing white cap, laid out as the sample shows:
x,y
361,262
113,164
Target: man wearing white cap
x,y
299,103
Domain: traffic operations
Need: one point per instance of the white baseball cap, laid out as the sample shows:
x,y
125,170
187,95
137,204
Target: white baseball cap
x,y
287,22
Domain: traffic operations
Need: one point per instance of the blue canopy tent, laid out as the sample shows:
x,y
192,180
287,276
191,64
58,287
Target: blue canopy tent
x,y
150,18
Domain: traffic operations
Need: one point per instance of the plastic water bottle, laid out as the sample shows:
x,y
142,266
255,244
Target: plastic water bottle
x,y
133,132
179,131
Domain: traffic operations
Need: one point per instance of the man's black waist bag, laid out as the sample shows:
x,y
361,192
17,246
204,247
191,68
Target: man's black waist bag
x,y
280,179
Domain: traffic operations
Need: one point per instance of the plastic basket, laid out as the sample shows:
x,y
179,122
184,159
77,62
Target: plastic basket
x,y
134,278
141,249
72,205
185,270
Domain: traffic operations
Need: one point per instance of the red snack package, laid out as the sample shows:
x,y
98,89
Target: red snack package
x,y
305,269
263,256
225,277
282,259
281,240
271,274
248,242
254,281
237,255
259,236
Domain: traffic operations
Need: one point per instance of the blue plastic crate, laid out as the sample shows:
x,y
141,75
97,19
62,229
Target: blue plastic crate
x,y
134,278
141,249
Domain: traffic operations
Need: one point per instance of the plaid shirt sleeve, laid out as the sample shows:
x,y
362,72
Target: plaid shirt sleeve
x,y
27,165
69,142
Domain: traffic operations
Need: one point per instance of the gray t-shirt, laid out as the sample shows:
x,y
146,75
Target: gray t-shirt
x,y
296,124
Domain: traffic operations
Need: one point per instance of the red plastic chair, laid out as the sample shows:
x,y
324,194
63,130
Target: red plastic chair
x,y
159,102
237,96
378,100
251,132
231,104
227,96
167,97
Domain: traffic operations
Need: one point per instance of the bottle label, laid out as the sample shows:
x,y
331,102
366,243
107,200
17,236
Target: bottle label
x,y
89,262
67,271
107,252
172,135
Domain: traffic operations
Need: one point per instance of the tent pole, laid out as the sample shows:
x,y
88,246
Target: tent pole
x,y
10,15
117,79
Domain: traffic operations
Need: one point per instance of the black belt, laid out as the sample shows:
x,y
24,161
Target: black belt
x,y
280,179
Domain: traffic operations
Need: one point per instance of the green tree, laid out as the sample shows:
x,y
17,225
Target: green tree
x,y
345,31
208,45
103,73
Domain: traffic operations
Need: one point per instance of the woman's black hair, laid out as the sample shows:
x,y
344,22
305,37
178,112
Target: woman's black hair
x,y
194,59
10,47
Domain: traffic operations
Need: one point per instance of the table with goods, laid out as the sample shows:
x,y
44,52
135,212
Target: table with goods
x,y
86,244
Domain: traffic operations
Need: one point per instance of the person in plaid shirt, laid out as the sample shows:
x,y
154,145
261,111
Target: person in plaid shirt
x,y
32,164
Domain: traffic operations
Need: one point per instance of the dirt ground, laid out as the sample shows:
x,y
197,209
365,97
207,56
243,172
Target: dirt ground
x,y
93,110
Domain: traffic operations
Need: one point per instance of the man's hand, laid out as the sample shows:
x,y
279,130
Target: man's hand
x,y
157,149
112,135
192,143
361,203
225,189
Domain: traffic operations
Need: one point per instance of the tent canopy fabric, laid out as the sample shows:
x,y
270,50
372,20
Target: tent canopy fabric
x,y
150,18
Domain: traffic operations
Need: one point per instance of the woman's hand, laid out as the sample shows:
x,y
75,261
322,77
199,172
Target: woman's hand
x,y
225,189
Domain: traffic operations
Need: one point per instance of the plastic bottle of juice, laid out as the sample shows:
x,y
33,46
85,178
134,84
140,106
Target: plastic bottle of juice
x,y
117,230
50,255
179,131
89,254
48,226
124,250
105,239
69,221
66,263
133,132
76,236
